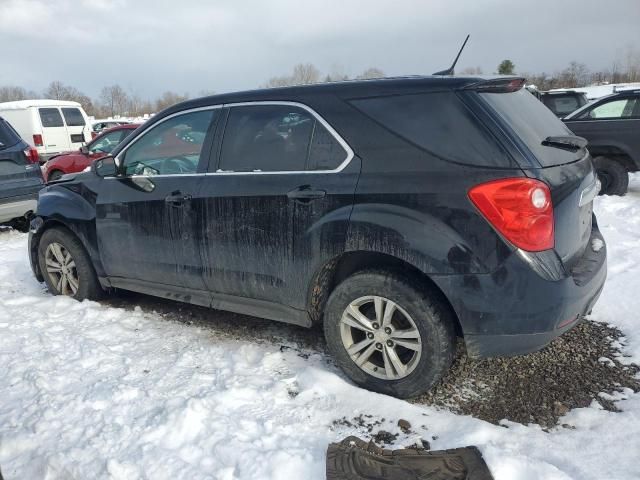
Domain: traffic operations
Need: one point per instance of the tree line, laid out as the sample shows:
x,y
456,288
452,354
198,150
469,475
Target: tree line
x,y
624,68
115,100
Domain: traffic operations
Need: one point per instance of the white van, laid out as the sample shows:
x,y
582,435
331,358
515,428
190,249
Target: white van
x,y
51,126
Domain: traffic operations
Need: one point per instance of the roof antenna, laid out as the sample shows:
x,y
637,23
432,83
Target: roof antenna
x,y
449,71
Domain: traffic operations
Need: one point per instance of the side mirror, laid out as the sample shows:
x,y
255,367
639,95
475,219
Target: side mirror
x,y
84,150
105,167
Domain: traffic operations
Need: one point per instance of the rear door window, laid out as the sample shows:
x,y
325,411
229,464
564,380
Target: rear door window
x,y
73,117
266,138
50,117
439,123
562,105
278,138
531,122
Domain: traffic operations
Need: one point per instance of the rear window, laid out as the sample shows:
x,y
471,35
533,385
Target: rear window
x,y
563,105
438,123
73,117
50,117
532,122
8,135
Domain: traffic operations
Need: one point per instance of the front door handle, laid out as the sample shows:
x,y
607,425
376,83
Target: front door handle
x,y
305,194
177,199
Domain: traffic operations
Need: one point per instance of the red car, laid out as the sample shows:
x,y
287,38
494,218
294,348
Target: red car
x,y
71,162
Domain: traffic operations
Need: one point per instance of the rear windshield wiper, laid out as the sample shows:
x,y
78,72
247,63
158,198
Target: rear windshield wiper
x,y
567,142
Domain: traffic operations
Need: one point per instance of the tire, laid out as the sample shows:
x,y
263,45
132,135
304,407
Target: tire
x,y
613,176
426,361
87,285
55,175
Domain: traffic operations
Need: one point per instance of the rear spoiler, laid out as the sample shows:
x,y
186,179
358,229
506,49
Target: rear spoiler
x,y
499,85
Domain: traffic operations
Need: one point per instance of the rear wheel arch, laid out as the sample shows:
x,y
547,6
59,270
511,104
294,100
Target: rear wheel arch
x,y
341,267
615,153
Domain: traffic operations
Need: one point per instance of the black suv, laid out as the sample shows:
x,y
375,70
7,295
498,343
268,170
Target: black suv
x,y
563,102
20,178
612,127
398,213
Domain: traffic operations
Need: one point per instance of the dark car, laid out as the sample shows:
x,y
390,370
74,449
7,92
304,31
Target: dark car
x,y
72,162
398,213
20,178
612,127
563,102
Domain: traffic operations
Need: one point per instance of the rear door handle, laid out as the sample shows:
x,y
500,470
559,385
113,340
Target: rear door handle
x,y
177,199
306,194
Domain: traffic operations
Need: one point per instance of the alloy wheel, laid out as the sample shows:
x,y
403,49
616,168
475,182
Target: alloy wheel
x,y
61,269
380,337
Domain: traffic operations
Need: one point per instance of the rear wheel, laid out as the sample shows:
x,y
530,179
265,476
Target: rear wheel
x,y
55,175
66,266
613,176
387,335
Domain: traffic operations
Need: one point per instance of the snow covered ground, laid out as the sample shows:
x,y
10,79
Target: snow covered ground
x,y
92,391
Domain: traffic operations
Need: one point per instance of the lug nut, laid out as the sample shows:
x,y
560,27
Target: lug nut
x,y
369,335
387,331
389,343
379,346
376,326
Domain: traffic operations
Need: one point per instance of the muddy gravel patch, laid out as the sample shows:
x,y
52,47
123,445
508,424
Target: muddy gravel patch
x,y
571,372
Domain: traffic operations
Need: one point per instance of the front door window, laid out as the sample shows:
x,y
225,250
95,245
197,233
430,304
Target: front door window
x,y
172,147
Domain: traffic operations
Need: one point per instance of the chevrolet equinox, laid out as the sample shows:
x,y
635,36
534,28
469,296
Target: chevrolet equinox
x,y
399,213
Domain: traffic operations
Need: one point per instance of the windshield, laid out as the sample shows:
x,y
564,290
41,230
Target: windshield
x,y
8,135
532,123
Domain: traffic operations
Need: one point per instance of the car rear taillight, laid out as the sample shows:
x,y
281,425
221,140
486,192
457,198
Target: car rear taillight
x,y
32,155
520,209
37,140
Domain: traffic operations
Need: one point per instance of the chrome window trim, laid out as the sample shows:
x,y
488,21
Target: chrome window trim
x,y
317,116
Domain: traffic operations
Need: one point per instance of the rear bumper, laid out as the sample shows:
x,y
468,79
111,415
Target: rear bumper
x,y
527,302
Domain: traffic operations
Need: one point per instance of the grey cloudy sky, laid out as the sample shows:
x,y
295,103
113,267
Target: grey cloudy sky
x,y
191,46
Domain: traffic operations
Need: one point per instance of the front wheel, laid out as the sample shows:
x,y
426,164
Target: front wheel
x,y
388,335
66,266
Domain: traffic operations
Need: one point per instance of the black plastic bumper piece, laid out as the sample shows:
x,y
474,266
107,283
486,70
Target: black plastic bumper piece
x,y
354,459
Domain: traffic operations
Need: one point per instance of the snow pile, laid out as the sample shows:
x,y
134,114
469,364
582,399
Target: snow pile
x,y
90,391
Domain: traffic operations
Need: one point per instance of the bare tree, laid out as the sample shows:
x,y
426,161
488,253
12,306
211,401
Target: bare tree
x,y
575,75
337,74
10,93
632,63
57,91
303,74
169,98
114,100
371,72
472,71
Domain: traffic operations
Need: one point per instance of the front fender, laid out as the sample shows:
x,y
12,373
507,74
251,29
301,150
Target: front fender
x,y
72,206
